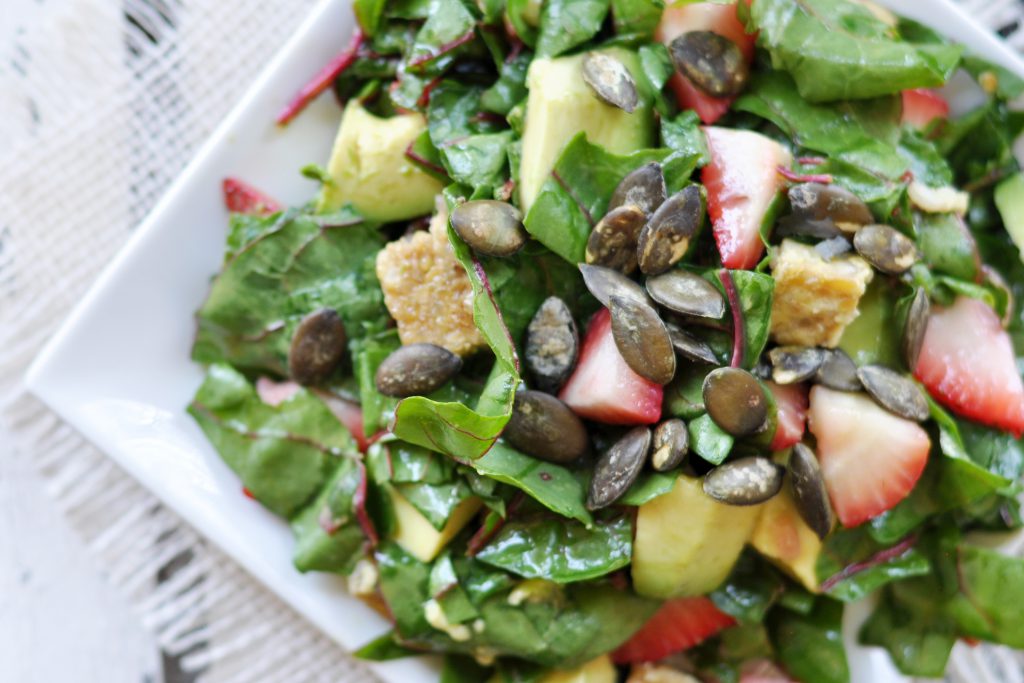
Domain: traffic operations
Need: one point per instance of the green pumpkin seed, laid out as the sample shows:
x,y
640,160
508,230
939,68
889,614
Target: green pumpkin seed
x,y
809,491
552,345
643,187
605,282
915,327
612,242
735,401
712,62
671,442
792,364
610,80
838,371
317,346
687,293
544,427
618,468
747,481
885,248
894,392
666,238
416,370
490,227
828,205
689,346
643,340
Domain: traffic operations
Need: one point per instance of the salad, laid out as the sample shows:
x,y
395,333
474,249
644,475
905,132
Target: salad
x,y
633,342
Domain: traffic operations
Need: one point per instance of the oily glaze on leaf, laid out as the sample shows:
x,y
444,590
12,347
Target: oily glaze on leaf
x,y
811,646
836,49
564,24
328,537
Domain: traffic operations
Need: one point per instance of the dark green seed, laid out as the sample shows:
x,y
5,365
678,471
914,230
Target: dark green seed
x,y
544,427
666,238
809,491
792,364
838,371
886,249
643,340
643,187
416,370
687,293
605,282
612,242
490,227
894,392
618,468
915,327
552,345
610,80
736,401
747,481
689,346
712,62
317,346
828,205
670,445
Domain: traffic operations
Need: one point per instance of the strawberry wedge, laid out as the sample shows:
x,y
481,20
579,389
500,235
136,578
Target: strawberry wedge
x,y
603,388
921,106
870,458
742,182
241,197
967,364
702,16
791,402
677,625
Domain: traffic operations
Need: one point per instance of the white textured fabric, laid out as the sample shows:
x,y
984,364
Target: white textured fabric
x,y
102,102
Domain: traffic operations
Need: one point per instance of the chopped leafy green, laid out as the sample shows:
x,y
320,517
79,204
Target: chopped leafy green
x,y
449,24
328,537
811,646
510,88
636,18
564,24
709,441
648,486
750,591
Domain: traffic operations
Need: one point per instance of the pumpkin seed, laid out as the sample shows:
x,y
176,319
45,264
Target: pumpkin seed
x,y
687,293
735,400
792,364
915,327
612,242
605,282
809,491
643,340
894,392
885,248
317,346
416,370
670,445
712,62
618,468
552,345
747,481
544,427
689,346
666,238
838,371
610,80
643,187
490,227
828,205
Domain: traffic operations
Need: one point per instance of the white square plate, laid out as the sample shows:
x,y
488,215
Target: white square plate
x,y
119,369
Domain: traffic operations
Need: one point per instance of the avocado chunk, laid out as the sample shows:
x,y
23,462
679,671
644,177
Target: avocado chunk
x,y
783,537
687,542
416,535
370,171
560,105
1009,198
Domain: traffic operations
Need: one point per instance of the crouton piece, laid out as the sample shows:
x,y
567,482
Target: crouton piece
x,y
815,299
427,291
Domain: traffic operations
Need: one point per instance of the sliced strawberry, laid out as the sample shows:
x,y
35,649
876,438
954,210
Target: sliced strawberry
x,y
677,625
241,197
603,388
921,106
967,363
275,393
870,458
742,181
703,16
350,414
763,671
791,402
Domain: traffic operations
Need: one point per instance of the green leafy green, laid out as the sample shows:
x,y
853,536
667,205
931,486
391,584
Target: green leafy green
x,y
908,625
328,537
709,441
836,50
510,88
979,145
750,591
472,147
648,486
636,18
384,648
754,291
369,14
852,564
368,353
947,245
448,24
564,24
811,646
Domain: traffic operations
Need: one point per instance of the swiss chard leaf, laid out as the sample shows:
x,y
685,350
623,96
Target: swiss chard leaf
x,y
919,640
283,454
472,147
449,25
852,564
750,591
328,537
947,245
636,18
754,292
510,88
648,486
436,502
560,551
709,441
838,50
368,354
811,646
564,24
369,14
293,265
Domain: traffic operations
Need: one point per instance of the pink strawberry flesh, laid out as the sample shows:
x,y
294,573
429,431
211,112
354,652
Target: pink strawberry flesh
x,y
921,106
967,363
791,402
241,197
677,625
742,181
603,388
870,458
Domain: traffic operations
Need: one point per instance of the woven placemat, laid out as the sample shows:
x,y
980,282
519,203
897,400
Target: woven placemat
x,y
101,105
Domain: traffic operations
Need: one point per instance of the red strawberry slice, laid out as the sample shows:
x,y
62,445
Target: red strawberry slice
x,y
703,16
677,625
742,181
921,106
870,458
241,197
968,364
275,393
791,402
603,388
